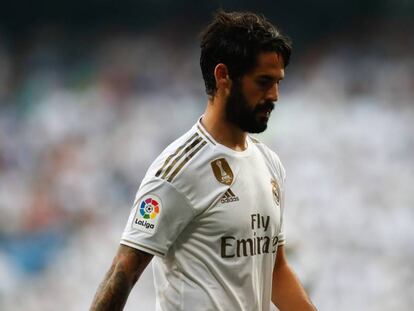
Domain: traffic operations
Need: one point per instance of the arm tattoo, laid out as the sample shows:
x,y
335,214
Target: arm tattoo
x,y
113,292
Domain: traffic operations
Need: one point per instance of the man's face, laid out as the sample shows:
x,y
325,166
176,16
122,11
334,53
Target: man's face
x,y
252,98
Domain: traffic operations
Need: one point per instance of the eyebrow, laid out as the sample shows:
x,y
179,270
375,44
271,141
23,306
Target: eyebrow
x,y
269,78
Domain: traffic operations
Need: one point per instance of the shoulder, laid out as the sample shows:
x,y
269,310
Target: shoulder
x,y
176,155
185,165
271,158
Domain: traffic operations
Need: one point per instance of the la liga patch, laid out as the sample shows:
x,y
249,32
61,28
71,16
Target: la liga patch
x,y
147,214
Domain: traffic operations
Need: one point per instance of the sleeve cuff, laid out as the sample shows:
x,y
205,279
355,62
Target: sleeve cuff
x,y
282,242
148,249
281,239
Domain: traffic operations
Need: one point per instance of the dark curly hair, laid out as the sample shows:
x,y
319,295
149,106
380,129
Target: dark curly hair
x,y
235,39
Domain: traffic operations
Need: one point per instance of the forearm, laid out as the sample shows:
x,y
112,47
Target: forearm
x,y
126,268
287,292
113,292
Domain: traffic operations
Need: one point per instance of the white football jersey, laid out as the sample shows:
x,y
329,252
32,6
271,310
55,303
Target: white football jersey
x,y
213,217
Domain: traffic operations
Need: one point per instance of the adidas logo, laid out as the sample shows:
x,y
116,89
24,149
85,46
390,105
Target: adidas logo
x,y
229,197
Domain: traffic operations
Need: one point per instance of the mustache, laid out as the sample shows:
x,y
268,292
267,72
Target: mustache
x,y
266,106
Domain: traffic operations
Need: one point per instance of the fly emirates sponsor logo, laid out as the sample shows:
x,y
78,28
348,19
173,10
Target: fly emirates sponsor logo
x,y
231,246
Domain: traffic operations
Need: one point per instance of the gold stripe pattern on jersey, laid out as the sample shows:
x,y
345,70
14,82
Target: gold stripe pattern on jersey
x,y
205,135
254,140
187,151
174,154
187,158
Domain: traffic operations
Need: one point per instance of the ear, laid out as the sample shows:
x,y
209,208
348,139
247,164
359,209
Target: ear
x,y
223,81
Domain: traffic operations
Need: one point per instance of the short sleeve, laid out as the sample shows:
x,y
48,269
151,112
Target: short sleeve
x,y
282,177
159,215
281,235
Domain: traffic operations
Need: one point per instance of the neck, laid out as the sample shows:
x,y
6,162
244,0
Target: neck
x,y
223,131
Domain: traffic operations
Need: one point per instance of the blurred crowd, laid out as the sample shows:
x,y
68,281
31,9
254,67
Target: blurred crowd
x,y
81,118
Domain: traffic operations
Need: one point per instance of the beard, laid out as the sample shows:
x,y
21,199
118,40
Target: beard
x,y
239,112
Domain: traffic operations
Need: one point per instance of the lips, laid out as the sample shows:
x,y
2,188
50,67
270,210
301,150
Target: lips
x,y
265,109
267,106
264,114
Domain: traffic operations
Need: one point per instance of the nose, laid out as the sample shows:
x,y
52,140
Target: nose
x,y
272,93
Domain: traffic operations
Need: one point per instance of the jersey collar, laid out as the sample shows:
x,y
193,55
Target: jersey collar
x,y
245,153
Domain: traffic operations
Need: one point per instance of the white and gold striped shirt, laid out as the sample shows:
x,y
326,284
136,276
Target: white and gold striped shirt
x,y
213,218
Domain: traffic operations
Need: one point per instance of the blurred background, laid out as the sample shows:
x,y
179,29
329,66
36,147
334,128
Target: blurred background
x,y
92,91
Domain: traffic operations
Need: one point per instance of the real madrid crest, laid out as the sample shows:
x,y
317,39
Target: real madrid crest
x,y
222,171
276,191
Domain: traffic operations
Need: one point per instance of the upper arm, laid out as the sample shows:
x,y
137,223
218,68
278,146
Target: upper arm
x,y
132,262
159,214
281,259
